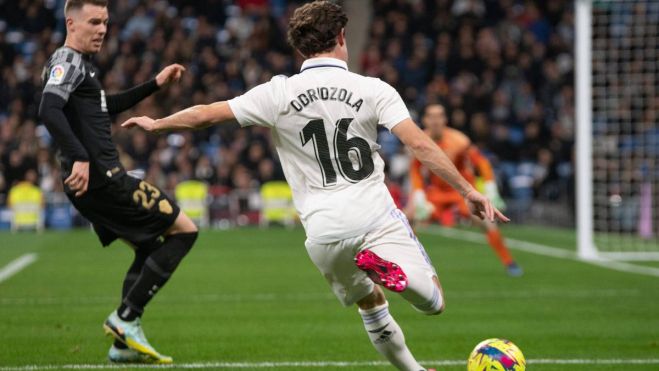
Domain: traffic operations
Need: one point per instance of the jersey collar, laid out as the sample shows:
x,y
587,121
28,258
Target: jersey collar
x,y
323,62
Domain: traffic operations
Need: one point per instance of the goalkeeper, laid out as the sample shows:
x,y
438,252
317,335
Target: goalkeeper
x,y
435,200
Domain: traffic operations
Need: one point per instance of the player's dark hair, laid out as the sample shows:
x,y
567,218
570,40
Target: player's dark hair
x,y
424,109
77,4
314,26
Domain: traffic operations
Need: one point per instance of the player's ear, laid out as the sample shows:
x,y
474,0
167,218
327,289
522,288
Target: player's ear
x,y
341,37
70,23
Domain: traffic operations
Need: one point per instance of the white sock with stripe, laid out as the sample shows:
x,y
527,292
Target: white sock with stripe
x,y
387,337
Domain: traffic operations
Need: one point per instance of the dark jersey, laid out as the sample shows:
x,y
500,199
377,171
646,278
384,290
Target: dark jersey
x,y
77,112
71,76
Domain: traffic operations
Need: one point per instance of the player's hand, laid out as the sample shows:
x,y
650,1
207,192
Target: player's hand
x,y
79,178
144,122
169,74
482,207
492,192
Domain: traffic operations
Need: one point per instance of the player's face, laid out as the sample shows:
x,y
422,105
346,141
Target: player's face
x,y
434,120
88,26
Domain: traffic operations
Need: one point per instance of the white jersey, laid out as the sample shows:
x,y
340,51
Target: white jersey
x,y
324,124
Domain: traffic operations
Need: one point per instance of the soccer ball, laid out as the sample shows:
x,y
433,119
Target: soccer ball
x,y
496,355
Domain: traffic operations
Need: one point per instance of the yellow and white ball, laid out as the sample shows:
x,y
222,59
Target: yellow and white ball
x,y
496,355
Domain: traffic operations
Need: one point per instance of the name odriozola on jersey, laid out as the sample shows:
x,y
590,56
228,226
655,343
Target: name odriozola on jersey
x,y
324,123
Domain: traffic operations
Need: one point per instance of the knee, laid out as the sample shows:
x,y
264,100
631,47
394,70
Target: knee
x,y
439,310
192,228
441,301
183,224
185,239
175,247
434,306
432,311
372,300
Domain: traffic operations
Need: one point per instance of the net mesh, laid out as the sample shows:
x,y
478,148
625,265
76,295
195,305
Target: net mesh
x,y
625,39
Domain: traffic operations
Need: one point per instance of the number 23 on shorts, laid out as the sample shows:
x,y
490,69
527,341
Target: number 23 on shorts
x,y
147,195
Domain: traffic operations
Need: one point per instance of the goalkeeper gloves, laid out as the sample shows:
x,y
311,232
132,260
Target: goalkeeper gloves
x,y
492,192
422,207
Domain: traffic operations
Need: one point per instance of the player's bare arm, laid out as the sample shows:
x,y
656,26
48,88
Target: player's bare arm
x,y
430,155
195,117
433,158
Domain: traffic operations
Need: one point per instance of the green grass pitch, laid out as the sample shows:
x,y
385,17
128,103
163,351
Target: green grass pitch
x,y
252,296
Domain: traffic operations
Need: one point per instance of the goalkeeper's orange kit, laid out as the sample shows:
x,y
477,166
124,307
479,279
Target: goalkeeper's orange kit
x,y
466,158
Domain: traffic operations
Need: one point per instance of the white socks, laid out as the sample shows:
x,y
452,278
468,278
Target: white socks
x,y
387,337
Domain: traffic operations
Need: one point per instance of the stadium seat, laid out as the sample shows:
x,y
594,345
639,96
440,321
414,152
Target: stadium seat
x,y
59,212
192,196
5,218
26,202
277,207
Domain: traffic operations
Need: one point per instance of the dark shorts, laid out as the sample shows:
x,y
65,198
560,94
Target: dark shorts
x,y
127,208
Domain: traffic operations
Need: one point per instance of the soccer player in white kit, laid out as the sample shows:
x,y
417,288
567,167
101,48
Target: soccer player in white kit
x,y
324,123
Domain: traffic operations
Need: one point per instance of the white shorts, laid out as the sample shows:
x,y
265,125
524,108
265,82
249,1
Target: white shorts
x,y
394,241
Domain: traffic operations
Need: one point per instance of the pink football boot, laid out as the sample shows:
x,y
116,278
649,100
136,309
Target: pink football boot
x,y
382,272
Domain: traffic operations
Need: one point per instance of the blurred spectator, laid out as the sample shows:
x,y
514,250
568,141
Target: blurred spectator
x,y
502,68
26,202
227,49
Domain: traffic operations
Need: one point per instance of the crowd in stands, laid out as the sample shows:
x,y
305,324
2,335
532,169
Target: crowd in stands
x,y
502,68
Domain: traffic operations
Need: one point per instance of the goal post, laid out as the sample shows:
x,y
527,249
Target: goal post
x,y
583,145
617,129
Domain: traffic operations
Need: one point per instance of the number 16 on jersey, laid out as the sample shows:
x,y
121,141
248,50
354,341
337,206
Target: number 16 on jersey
x,y
345,151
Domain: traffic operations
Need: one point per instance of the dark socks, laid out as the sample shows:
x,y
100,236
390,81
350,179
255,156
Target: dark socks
x,y
142,252
156,269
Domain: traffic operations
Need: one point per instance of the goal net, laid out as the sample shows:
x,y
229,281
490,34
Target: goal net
x,y
617,154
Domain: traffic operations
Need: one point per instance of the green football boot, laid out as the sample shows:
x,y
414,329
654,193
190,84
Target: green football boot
x,y
131,334
127,355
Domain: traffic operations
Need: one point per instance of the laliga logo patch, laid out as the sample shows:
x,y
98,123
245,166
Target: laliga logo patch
x,y
56,75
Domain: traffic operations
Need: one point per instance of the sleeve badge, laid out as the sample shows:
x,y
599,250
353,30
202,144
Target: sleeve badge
x,y
56,76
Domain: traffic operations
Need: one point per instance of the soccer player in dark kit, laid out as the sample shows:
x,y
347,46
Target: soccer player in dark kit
x,y
76,110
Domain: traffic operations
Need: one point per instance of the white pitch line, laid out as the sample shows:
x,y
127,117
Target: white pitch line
x,y
545,250
16,266
318,364
640,361
307,297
